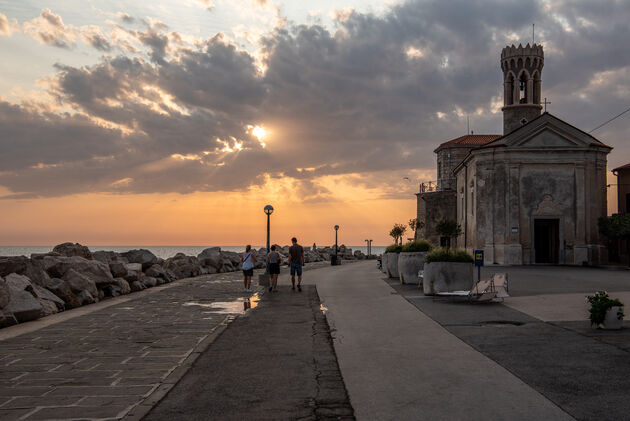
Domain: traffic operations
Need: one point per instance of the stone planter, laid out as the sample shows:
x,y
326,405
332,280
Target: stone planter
x,y
409,264
612,321
384,262
392,265
447,277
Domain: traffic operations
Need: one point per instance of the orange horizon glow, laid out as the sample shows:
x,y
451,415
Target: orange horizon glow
x,y
205,219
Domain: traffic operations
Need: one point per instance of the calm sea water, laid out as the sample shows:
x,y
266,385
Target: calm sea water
x,y
161,251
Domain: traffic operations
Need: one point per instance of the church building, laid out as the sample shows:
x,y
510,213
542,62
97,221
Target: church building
x,y
532,195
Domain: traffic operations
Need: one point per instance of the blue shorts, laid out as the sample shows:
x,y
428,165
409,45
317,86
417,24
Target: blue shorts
x,y
296,267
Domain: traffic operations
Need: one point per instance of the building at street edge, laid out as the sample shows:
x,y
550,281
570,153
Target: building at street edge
x,y
530,196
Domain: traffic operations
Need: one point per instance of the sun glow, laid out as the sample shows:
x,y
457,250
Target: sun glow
x,y
259,132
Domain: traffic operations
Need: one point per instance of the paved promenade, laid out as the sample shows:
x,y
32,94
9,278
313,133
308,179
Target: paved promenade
x,y
190,350
116,358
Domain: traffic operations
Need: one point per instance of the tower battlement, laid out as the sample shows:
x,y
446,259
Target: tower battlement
x,y
520,51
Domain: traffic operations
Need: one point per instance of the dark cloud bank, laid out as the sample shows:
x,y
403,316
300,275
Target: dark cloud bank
x,y
363,98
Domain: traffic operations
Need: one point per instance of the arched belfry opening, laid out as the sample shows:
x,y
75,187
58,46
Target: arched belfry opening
x,y
523,92
522,68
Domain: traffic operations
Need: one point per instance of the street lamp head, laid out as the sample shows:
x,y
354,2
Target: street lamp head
x,y
336,227
268,209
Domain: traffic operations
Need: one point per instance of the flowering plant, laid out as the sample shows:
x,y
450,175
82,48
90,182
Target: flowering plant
x,y
600,304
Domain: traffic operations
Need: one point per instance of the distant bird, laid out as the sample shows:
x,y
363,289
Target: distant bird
x,y
406,178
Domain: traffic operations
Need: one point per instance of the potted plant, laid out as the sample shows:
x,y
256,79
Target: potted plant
x,y
391,260
447,271
605,312
411,261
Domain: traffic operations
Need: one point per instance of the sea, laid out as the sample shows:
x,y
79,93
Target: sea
x,y
161,251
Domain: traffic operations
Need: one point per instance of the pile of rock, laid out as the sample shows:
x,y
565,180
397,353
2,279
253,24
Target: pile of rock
x,y
71,275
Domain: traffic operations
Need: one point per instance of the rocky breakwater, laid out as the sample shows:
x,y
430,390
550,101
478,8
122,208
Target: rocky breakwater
x,y
72,276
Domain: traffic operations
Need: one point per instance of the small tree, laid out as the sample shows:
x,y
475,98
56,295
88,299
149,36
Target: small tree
x,y
616,226
397,232
449,229
415,224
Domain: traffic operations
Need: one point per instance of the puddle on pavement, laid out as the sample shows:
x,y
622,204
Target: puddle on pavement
x,y
323,308
240,305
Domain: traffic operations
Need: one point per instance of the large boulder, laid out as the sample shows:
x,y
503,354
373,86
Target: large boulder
x,y
7,319
73,249
5,295
183,266
133,272
211,257
123,285
158,272
105,256
45,297
23,305
142,256
22,265
12,264
136,286
62,289
149,281
79,283
98,272
118,269
86,297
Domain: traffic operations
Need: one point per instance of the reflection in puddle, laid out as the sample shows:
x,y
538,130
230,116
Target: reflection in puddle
x,y
323,308
240,305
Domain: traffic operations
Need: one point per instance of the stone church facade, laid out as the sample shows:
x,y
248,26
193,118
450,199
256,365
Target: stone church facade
x,y
533,195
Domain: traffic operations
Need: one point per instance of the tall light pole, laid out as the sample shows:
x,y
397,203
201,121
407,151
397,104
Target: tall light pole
x,y
336,229
369,247
268,211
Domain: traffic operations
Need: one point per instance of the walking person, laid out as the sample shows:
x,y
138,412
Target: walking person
x,y
248,259
273,263
296,260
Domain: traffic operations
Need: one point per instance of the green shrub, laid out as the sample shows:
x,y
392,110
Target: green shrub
x,y
419,245
600,304
394,248
443,255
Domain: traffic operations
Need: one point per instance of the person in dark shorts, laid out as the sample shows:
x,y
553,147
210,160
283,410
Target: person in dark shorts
x,y
273,262
248,259
296,260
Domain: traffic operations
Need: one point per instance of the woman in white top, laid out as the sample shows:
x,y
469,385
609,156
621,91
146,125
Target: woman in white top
x,y
248,259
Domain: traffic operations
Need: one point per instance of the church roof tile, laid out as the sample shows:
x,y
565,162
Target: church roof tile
x,y
471,139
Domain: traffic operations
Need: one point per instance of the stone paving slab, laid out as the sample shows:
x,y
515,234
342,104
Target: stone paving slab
x,y
103,364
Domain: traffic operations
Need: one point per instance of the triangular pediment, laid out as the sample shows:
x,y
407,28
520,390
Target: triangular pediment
x,y
547,132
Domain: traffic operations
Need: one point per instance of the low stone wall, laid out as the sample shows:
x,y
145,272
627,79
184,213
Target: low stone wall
x,y
72,276
447,277
409,264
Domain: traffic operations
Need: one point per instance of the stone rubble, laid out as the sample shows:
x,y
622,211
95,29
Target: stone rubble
x,y
71,275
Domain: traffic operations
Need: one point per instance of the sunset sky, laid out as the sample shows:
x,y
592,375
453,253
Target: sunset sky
x,y
174,122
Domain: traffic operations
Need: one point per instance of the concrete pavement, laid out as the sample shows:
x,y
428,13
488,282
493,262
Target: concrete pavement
x,y
399,364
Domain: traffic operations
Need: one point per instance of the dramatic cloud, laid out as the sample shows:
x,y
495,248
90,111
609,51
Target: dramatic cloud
x,y
7,27
48,28
367,102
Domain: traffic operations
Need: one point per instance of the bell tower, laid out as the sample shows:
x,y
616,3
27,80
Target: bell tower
x,y
522,68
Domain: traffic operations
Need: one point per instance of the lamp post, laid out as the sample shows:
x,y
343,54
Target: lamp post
x,y
336,229
369,247
264,279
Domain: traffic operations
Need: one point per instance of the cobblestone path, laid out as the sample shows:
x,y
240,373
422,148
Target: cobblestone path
x,y
116,362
